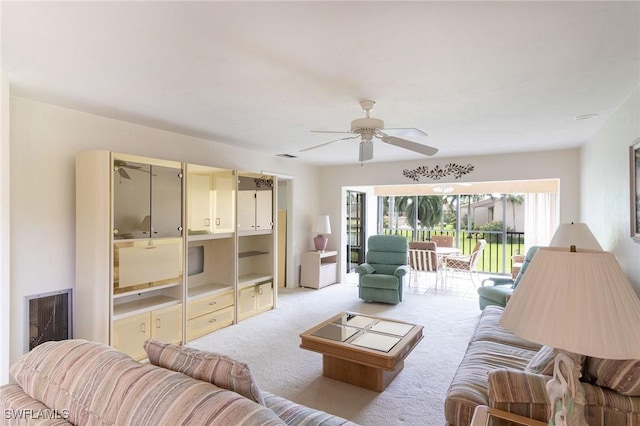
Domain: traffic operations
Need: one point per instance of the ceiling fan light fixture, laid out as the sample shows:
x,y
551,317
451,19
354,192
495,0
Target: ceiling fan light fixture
x,y
443,189
366,128
366,123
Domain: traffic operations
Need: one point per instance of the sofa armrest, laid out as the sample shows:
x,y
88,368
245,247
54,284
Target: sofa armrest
x,y
482,416
498,281
299,415
18,409
519,393
401,271
365,269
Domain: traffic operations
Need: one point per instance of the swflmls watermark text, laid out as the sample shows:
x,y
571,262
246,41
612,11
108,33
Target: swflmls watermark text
x,y
32,414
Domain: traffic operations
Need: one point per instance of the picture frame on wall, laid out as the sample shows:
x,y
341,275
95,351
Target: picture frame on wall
x,y
634,190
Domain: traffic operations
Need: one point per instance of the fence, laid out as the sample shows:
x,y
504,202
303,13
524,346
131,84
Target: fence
x,y
496,258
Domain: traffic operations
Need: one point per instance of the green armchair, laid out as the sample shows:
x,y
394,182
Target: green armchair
x,y
381,278
501,288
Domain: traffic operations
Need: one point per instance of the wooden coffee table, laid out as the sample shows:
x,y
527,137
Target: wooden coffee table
x,y
362,350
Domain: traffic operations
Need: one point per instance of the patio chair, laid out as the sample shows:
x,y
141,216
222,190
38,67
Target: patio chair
x,y
467,264
443,240
501,288
423,258
381,278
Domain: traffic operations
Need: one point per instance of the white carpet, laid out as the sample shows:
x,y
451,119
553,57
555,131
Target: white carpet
x,y
269,344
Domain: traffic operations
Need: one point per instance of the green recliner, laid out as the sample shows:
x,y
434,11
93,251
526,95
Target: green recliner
x,y
496,294
381,278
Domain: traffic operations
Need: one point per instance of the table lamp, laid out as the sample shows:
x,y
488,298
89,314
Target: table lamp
x,y
321,227
574,234
577,301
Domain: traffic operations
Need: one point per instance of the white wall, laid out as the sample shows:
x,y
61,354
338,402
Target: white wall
x,y
4,227
44,141
561,164
605,186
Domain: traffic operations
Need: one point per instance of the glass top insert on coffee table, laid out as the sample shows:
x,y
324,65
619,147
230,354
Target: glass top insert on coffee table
x,y
371,333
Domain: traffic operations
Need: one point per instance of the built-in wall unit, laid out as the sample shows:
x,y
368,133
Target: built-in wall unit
x,y
129,250
256,244
211,248
140,276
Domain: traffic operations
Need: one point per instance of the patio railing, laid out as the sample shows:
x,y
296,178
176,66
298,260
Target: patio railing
x,y
496,259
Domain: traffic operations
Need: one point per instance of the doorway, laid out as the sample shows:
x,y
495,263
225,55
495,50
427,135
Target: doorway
x,y
356,225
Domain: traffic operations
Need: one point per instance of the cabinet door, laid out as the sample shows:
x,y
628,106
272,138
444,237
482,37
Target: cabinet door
x,y
131,199
246,210
246,302
166,324
166,201
264,210
265,296
130,333
200,200
224,211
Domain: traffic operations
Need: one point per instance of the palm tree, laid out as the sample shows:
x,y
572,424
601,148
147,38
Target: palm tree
x,y
514,199
428,209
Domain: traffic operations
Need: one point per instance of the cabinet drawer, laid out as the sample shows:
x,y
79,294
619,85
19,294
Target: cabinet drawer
x,y
208,323
210,304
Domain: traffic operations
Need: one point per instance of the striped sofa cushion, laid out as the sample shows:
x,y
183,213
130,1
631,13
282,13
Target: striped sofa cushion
x,y
468,388
99,385
217,369
489,329
620,375
543,362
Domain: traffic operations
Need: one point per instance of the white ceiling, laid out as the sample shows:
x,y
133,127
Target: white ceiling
x,y
478,77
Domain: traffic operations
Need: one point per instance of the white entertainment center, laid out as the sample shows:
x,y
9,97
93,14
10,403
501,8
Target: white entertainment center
x,y
169,250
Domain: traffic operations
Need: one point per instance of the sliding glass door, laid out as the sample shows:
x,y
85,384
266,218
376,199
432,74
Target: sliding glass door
x,y
355,229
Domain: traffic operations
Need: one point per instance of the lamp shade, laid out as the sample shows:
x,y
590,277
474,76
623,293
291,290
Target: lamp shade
x,y
321,225
574,234
580,302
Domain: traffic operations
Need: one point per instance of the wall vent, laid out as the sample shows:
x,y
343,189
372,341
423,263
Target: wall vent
x,y
48,318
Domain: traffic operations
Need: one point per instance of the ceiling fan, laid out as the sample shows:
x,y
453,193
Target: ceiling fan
x,y
120,166
367,128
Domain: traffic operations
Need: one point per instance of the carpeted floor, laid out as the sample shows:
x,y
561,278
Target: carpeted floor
x,y
269,344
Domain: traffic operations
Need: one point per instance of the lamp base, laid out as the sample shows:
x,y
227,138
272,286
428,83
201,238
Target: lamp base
x,y
566,393
320,242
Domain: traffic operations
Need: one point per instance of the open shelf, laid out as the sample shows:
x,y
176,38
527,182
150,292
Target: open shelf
x,y
207,236
146,304
142,288
251,253
208,289
253,278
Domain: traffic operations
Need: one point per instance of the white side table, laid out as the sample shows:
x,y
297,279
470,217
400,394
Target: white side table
x,y
319,268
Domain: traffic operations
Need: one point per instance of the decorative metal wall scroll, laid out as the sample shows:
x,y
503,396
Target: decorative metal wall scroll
x,y
457,170
263,181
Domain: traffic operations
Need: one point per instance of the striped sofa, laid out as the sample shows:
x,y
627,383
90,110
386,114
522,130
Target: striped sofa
x,y
497,371
86,383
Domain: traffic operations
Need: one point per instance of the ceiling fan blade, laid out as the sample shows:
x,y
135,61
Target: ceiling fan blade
x,y
331,131
123,173
327,143
366,151
406,132
411,146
